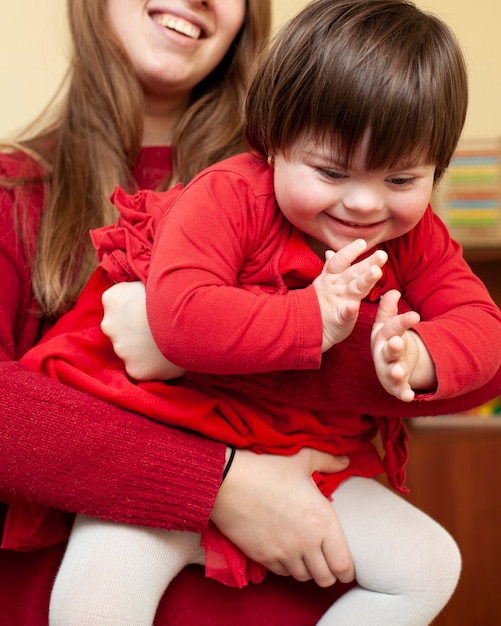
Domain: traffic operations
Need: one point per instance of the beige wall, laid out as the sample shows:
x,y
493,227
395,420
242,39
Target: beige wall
x,y
33,58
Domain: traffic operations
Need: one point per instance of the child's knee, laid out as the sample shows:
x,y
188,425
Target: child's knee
x,y
433,564
444,561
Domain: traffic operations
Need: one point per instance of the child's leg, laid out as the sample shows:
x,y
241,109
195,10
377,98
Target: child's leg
x,y
114,574
407,566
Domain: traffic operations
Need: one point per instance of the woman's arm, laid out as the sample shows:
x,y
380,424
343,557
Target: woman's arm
x,y
62,448
67,450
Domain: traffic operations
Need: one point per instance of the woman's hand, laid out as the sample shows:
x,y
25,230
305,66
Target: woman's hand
x,y
269,506
126,325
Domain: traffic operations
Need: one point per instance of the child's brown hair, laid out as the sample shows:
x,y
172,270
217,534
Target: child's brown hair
x,y
346,70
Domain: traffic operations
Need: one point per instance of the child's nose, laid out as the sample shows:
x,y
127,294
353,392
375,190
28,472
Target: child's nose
x,y
364,198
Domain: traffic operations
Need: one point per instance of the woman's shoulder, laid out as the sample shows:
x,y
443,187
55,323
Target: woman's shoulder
x,y
22,190
17,163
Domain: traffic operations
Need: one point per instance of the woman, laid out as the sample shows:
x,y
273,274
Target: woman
x,y
155,93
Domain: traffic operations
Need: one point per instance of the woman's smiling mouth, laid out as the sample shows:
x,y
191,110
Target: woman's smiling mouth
x,y
178,24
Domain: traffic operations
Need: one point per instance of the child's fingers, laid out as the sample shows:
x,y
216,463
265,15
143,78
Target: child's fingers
x,y
406,394
388,306
359,277
397,326
393,348
362,284
339,261
388,312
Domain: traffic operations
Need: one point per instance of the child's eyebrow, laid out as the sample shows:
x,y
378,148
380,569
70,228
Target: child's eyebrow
x,y
327,156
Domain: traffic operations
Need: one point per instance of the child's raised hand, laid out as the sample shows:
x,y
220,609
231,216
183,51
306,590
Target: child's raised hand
x,y
399,355
341,286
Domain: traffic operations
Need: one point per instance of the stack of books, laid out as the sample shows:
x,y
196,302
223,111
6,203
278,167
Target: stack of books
x,y
471,193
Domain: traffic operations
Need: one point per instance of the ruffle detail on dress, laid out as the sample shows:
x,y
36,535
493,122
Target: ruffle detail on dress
x,y
226,563
124,248
394,437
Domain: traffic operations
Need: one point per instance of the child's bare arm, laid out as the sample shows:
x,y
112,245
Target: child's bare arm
x,y
402,361
341,286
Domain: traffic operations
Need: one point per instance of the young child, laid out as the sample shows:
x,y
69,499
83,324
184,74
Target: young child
x,y
257,273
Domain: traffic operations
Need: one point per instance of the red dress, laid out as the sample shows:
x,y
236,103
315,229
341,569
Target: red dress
x,y
77,353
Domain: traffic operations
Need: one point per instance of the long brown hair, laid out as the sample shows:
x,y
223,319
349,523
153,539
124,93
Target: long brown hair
x,y
95,135
347,69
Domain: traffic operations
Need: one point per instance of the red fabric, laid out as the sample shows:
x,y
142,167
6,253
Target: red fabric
x,y
85,360
191,231
225,230
65,449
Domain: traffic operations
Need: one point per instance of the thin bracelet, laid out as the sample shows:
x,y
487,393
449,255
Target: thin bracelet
x,y
228,464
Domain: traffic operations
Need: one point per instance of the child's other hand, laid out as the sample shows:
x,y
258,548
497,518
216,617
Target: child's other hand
x,y
396,349
341,286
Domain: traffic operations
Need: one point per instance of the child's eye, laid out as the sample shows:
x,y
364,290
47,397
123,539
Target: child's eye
x,y
331,174
402,181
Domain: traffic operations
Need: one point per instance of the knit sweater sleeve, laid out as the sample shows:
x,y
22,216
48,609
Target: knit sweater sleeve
x,y
67,450
62,448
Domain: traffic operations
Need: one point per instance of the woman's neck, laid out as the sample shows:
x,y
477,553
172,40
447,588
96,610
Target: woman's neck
x,y
161,119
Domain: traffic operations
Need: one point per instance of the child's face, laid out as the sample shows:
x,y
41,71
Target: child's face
x,y
334,205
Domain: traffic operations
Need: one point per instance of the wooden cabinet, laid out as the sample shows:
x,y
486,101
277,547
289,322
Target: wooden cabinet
x,y
454,474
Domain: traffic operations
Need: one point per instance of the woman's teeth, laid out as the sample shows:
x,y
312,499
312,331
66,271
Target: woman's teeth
x,y
179,25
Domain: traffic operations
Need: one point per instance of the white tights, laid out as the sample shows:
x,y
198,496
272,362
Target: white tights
x,y
115,574
407,566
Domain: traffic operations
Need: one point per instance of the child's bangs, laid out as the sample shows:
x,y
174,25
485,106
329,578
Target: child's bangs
x,y
394,125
